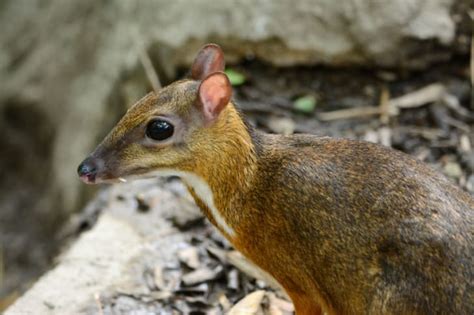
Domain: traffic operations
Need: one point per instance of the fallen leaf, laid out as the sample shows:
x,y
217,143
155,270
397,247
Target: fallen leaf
x,y
218,253
249,305
224,302
282,305
190,257
158,277
201,275
235,78
240,262
305,104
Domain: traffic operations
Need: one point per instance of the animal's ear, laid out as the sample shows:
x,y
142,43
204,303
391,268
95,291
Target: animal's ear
x,y
210,59
214,94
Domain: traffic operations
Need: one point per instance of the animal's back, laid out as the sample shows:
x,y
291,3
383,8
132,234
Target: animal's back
x,y
377,231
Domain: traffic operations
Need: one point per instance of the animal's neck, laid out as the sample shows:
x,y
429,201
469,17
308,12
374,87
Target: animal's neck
x,y
228,171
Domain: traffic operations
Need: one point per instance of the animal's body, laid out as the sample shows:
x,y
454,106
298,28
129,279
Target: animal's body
x,y
346,227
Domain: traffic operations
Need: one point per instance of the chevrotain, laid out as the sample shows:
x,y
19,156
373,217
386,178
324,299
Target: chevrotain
x,y
346,227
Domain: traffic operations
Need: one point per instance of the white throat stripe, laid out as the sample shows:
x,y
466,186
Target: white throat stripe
x,y
203,191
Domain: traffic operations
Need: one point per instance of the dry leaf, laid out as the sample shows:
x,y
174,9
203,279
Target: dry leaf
x,y
283,306
201,275
224,302
158,277
240,262
249,305
218,253
190,257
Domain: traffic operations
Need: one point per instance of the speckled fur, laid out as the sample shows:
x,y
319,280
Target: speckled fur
x,y
352,226
360,228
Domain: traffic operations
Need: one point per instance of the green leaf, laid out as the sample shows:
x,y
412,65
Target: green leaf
x,y
235,78
305,104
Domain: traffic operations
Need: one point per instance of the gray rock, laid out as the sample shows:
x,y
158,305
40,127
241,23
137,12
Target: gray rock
x,y
111,257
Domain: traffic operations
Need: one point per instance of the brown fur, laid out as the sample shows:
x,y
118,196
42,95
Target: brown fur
x,y
352,226
346,227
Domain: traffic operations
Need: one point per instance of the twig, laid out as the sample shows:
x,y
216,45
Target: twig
x,y
458,124
471,15
452,102
472,71
1,266
241,263
350,113
427,133
99,303
428,94
149,69
464,143
384,105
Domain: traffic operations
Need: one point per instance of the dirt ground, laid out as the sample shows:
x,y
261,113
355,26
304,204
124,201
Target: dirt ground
x,y
435,123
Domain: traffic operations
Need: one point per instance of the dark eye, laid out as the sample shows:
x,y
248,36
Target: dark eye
x,y
159,130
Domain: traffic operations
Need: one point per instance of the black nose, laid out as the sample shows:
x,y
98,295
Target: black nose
x,y
87,170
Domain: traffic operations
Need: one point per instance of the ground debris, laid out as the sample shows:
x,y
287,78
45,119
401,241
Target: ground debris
x,y
251,304
190,257
203,274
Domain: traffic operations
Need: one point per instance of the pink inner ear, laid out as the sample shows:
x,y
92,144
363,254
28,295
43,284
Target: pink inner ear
x,y
214,93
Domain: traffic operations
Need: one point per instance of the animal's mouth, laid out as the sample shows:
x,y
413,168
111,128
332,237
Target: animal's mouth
x,y
93,171
89,179
105,177
93,179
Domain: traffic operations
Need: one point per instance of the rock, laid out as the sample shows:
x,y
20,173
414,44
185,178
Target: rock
x,y
112,257
137,263
95,262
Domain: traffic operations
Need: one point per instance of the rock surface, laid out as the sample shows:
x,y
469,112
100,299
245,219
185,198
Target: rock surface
x,y
93,263
140,262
